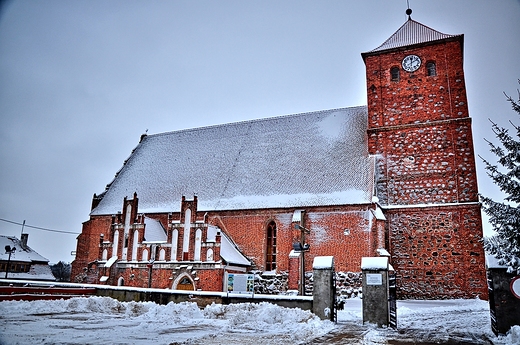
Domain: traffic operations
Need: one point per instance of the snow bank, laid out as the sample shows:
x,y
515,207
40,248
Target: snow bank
x,y
102,320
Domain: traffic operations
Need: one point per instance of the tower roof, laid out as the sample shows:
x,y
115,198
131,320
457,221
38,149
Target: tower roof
x,y
412,33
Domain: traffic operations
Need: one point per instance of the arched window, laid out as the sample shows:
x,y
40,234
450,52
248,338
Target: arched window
x,y
431,69
394,73
198,243
175,239
209,255
104,256
162,255
145,255
135,244
115,245
270,257
187,228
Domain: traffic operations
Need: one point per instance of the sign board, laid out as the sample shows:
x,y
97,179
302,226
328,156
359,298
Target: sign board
x,y
374,279
515,287
240,283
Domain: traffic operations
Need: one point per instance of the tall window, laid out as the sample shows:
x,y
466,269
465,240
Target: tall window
x,y
175,236
198,243
135,245
270,260
115,246
394,73
431,69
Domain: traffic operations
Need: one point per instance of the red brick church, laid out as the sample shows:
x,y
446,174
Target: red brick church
x,y
398,174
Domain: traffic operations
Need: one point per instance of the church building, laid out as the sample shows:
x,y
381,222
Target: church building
x,y
395,176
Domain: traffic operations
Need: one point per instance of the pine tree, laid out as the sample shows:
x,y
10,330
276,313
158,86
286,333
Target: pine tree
x,y
505,216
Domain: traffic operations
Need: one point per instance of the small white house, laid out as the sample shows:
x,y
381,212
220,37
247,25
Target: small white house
x,y
19,261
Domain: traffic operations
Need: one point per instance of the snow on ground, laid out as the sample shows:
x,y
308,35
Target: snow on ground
x,y
103,320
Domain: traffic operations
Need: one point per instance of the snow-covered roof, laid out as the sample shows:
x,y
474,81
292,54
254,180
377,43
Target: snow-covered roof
x,y
309,159
21,254
39,266
411,33
228,250
111,261
154,231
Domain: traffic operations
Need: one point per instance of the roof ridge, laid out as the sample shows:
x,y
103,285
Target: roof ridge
x,y
243,122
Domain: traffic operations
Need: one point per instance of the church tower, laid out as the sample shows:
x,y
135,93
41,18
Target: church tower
x,y
419,130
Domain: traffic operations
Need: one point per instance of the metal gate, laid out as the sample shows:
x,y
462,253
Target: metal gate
x,y
392,300
492,311
335,296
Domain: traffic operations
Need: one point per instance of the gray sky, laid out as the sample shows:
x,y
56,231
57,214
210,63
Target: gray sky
x,y
80,81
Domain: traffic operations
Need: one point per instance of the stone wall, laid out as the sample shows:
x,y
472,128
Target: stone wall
x,y
348,284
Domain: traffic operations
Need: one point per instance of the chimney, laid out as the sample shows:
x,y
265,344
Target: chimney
x,y
24,239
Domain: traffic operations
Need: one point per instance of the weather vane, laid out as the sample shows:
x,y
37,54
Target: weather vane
x,y
408,10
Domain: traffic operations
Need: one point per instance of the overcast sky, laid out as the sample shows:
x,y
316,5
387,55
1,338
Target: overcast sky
x,y
80,81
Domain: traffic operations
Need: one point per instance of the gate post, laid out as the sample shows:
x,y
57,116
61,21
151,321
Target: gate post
x,y
323,295
504,296
375,290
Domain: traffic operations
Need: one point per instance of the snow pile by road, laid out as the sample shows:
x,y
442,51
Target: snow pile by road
x,y
103,320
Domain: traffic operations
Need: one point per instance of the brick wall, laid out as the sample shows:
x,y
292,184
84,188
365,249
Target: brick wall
x,y
416,96
345,232
436,251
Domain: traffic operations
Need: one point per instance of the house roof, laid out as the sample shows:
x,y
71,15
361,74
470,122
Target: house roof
x,y
21,254
309,159
411,33
39,266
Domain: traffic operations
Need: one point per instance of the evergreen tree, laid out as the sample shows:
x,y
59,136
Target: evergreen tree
x,y
505,216
61,271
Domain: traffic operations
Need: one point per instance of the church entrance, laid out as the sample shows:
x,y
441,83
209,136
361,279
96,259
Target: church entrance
x,y
185,284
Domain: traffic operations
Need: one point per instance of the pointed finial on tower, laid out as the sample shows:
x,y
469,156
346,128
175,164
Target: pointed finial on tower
x,y
408,10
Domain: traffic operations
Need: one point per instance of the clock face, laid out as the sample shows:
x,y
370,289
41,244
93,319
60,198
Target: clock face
x,y
411,63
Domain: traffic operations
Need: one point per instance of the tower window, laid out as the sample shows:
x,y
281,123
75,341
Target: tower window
x,y
270,259
394,73
431,69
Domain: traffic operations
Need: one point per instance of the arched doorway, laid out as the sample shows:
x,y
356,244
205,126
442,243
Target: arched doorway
x,y
184,282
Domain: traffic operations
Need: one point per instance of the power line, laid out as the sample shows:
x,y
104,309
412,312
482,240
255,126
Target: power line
x,y
38,228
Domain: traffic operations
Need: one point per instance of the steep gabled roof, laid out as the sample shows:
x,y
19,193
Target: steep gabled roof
x,y
412,33
39,266
22,253
310,159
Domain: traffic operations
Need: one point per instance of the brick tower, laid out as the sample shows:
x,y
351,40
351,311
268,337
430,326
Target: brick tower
x,y
419,129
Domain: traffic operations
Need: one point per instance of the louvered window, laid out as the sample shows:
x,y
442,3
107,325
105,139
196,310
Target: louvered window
x,y
394,73
431,68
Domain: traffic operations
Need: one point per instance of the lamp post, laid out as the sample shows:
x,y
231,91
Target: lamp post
x,y
302,247
8,250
